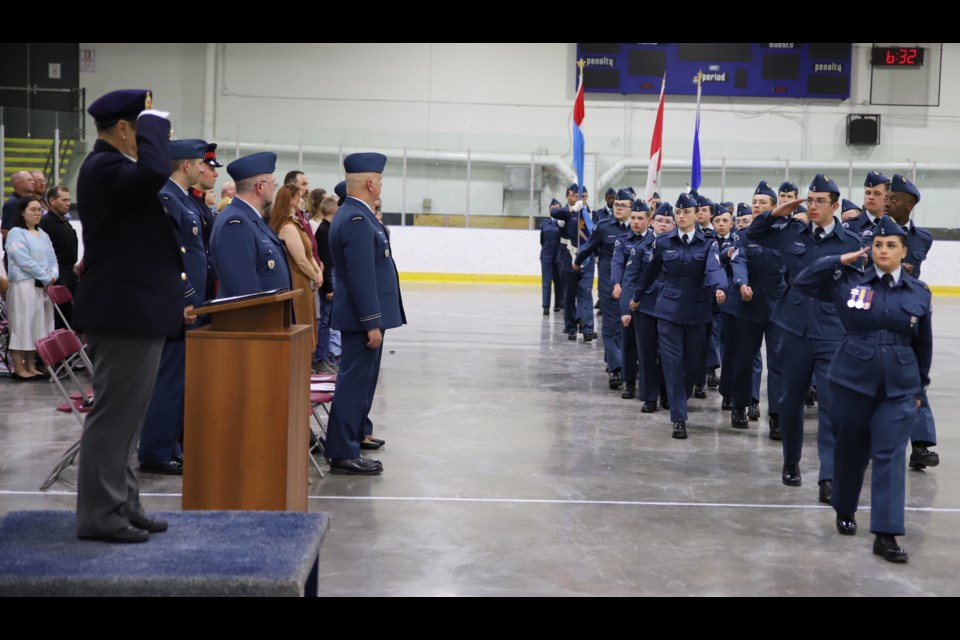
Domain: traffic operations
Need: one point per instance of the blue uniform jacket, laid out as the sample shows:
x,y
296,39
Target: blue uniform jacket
x,y
549,240
247,254
863,222
797,312
729,307
602,242
640,256
187,222
760,266
691,276
919,242
366,294
601,214
133,268
622,250
887,347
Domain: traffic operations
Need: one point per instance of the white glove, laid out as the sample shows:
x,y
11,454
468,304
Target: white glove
x,y
154,112
573,251
577,207
561,223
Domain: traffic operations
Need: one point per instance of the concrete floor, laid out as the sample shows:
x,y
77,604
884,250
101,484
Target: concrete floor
x,y
511,469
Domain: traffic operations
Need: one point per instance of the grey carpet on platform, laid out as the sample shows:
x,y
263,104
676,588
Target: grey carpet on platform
x,y
204,553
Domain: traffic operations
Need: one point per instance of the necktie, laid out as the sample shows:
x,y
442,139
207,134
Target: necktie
x,y
887,279
905,229
684,239
818,234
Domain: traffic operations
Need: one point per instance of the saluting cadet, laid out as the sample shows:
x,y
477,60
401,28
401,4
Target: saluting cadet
x,y
875,188
550,233
577,293
758,278
159,450
602,242
366,302
902,197
877,378
692,280
131,254
623,253
247,254
811,329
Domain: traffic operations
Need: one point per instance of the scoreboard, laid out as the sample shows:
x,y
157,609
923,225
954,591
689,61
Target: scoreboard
x,y
758,69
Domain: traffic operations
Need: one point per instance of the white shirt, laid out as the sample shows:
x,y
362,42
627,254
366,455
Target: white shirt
x,y
895,274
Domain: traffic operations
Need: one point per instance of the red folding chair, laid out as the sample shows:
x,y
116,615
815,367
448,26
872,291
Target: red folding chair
x,y
320,399
53,355
59,295
73,350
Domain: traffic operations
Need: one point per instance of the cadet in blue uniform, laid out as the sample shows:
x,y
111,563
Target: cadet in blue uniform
x,y
875,187
247,254
623,253
366,302
902,197
787,192
692,280
607,211
877,378
129,300
577,298
724,317
159,450
706,210
602,242
550,262
849,210
811,328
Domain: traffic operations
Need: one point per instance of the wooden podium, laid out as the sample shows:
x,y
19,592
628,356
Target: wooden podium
x,y
247,406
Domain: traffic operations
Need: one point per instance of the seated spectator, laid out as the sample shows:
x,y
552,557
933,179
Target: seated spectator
x,y
33,267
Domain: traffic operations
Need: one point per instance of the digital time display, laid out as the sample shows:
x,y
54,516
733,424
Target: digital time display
x,y
897,56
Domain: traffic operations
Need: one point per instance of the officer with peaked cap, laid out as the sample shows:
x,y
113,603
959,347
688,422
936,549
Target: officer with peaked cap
x,y
877,378
811,330
159,450
128,302
198,192
366,302
902,197
247,254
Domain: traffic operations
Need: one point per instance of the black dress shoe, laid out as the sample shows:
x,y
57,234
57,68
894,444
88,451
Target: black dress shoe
x,y
377,440
370,445
664,402
725,404
128,535
557,309
589,335
629,391
886,546
356,466
921,458
148,524
178,459
699,392
162,468
826,491
572,335
679,430
791,475
846,524
811,397
713,381
753,412
650,406
546,311
775,427
614,379
738,419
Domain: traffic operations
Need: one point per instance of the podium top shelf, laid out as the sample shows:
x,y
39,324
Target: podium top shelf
x,y
259,312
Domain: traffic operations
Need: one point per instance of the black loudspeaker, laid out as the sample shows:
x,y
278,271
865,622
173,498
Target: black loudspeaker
x,y
863,129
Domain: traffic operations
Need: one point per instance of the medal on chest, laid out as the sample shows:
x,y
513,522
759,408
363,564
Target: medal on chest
x,y
860,298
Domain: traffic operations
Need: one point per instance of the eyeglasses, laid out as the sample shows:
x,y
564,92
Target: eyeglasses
x,y
620,206
817,201
259,182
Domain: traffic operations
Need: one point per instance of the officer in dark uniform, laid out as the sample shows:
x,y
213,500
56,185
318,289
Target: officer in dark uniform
x,y
875,188
206,181
811,328
692,280
877,378
366,302
247,255
902,197
758,278
577,293
623,253
159,450
606,211
129,300
602,242
550,234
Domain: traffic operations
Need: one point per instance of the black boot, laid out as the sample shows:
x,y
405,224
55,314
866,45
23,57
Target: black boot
x,y
738,419
791,475
886,545
775,427
629,391
753,412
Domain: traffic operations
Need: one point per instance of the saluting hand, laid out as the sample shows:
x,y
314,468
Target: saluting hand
x,y
785,208
853,256
721,296
374,339
746,293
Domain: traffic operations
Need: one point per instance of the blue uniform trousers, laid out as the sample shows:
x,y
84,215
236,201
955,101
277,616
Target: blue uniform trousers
x,y
610,309
748,366
571,283
629,356
356,385
323,329
649,376
585,295
804,358
550,275
924,431
163,424
728,347
681,350
713,349
871,429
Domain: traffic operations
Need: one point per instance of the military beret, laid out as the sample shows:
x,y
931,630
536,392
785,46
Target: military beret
x,y
744,210
847,205
664,210
640,205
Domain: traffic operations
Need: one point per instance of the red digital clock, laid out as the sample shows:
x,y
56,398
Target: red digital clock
x,y
897,56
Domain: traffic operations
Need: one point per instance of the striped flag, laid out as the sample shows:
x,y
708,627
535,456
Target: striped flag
x,y
656,148
695,174
578,144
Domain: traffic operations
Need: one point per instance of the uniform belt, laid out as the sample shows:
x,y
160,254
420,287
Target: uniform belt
x,y
683,282
883,337
766,281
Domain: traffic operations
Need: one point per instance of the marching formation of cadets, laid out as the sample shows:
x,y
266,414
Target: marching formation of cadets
x,y
689,293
